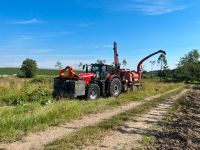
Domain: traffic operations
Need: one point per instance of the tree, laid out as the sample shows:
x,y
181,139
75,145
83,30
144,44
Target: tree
x,y
58,65
101,61
162,60
80,65
124,63
188,68
152,64
29,68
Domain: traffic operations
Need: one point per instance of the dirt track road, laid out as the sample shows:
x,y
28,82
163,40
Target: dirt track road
x,y
130,134
38,140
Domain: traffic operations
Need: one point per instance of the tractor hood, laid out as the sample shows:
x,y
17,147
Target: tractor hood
x,y
87,77
84,75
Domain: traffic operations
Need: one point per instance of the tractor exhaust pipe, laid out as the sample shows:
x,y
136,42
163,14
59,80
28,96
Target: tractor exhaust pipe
x,y
116,59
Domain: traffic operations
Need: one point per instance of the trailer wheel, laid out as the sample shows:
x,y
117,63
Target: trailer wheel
x,y
93,92
115,87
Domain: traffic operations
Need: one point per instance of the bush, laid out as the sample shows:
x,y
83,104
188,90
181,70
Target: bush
x,y
13,100
29,68
43,96
188,69
41,80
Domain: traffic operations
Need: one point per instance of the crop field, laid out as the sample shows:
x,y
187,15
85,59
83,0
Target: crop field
x,y
11,71
26,105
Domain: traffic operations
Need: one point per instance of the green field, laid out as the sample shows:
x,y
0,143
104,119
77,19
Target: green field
x,y
11,71
26,105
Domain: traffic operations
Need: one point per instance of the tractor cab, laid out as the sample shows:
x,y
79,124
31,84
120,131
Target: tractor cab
x,y
100,70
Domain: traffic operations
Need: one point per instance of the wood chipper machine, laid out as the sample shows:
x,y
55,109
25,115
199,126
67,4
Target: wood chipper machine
x,y
98,79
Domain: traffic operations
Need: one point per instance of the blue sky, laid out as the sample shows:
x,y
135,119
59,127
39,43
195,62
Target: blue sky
x,y
73,31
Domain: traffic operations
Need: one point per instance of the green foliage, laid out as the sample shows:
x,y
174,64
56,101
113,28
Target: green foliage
x,y
30,116
45,72
58,65
189,67
17,99
9,71
124,63
101,61
162,60
43,96
24,95
41,80
29,68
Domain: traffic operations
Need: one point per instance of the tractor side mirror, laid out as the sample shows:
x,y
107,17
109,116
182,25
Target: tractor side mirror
x,y
83,67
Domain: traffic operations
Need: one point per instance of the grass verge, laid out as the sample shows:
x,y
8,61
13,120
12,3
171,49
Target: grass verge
x,y
17,121
89,134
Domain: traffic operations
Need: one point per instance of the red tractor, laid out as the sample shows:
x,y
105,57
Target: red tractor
x,y
98,80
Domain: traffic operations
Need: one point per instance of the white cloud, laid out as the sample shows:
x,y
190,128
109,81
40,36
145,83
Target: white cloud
x,y
147,7
30,21
156,7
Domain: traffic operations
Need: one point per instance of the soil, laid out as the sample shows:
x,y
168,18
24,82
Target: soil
x,y
182,132
130,134
39,139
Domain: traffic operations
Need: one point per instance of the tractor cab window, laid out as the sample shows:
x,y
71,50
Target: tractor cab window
x,y
104,68
96,68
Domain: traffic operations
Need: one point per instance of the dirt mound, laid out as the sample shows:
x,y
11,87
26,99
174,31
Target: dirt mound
x,y
183,132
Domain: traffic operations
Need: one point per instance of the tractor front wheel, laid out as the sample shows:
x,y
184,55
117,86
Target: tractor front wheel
x,y
115,87
93,92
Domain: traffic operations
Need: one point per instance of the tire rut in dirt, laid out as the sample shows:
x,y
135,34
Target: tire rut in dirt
x,y
183,131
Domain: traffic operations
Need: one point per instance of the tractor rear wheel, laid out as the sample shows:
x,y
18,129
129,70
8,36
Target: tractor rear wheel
x,y
93,92
115,87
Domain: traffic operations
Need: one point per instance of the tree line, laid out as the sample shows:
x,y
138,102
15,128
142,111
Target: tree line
x,y
188,68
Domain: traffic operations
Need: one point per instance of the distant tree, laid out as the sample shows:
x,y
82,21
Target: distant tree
x,y
188,68
143,68
29,68
58,65
101,61
80,65
162,60
152,62
144,72
124,63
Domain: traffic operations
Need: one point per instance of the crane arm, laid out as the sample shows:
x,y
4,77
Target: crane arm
x,y
144,59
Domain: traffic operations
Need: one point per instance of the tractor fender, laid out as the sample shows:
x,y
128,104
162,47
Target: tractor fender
x,y
111,76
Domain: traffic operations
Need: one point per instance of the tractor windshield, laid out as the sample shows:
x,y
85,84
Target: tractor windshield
x,y
96,68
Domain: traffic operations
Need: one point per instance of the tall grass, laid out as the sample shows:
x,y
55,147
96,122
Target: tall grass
x,y
15,91
17,121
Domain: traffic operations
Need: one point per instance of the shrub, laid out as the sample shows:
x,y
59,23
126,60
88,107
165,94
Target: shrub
x,y
42,80
13,100
43,96
29,68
